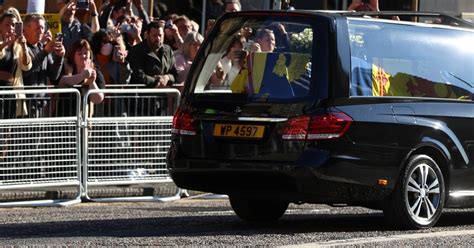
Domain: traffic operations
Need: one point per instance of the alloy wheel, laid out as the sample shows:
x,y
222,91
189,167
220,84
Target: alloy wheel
x,y
422,195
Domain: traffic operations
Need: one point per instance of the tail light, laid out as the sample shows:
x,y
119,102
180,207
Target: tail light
x,y
183,123
329,125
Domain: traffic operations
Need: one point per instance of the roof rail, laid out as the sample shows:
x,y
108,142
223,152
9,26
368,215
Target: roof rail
x,y
437,18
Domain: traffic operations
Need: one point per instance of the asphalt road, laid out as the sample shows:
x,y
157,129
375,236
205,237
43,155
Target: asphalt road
x,y
198,222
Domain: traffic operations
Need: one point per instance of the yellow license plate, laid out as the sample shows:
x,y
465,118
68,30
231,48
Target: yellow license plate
x,y
239,131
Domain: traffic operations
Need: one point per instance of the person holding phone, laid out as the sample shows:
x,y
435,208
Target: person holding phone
x,y
71,28
130,28
172,36
109,56
14,58
83,4
47,61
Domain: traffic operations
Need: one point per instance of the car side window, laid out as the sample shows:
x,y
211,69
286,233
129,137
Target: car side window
x,y
394,59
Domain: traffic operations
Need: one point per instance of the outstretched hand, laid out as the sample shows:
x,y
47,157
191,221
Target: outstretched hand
x,y
8,40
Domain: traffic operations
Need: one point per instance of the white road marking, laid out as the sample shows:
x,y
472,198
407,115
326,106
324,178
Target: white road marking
x,y
370,240
308,210
287,211
210,213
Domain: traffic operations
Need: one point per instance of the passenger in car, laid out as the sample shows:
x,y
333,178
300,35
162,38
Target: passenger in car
x,y
232,61
217,77
265,41
282,38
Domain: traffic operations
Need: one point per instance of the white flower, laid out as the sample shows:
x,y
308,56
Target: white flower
x,y
303,41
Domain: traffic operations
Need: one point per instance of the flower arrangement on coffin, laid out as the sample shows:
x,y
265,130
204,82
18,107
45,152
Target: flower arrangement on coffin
x,y
302,42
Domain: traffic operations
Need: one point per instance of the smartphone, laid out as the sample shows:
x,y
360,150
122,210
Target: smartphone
x,y
125,28
116,53
169,23
82,4
210,23
18,29
248,45
59,37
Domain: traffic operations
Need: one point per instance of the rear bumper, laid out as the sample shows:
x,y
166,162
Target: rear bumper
x,y
276,181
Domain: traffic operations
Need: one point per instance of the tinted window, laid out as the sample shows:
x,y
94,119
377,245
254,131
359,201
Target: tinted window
x,y
395,59
262,57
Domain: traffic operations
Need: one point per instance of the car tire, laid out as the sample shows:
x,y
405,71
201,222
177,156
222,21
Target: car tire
x,y
418,198
257,209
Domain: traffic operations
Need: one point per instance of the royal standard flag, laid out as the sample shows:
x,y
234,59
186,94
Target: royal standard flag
x,y
275,75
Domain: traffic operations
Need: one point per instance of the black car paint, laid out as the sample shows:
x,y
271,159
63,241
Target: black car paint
x,y
385,132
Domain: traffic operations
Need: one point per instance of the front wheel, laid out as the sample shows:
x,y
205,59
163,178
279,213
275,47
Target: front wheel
x,y
418,197
258,210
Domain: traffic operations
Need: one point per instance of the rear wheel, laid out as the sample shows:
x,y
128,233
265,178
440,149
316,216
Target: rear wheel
x,y
256,209
418,198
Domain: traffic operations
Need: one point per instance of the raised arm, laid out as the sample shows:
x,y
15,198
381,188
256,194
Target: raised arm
x,y
95,26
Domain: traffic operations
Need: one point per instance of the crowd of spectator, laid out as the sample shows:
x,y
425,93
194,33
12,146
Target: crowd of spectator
x,y
114,44
98,46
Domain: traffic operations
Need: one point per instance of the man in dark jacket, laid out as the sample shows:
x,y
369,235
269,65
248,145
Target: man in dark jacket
x,y
47,61
152,62
153,65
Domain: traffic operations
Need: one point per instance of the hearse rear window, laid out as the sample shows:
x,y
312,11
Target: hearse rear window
x,y
396,59
264,58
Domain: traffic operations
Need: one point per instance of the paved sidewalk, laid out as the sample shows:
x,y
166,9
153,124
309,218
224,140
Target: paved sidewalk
x,y
158,190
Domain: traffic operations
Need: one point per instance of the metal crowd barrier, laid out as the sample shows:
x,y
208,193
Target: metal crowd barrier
x,y
126,141
40,152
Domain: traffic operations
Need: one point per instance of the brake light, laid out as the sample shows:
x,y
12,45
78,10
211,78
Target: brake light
x,y
329,125
296,128
183,123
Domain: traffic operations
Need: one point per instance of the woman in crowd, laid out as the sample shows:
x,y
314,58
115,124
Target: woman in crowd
x,y
79,70
110,54
14,59
186,54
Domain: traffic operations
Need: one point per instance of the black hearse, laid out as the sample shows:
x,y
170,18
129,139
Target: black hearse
x,y
315,107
